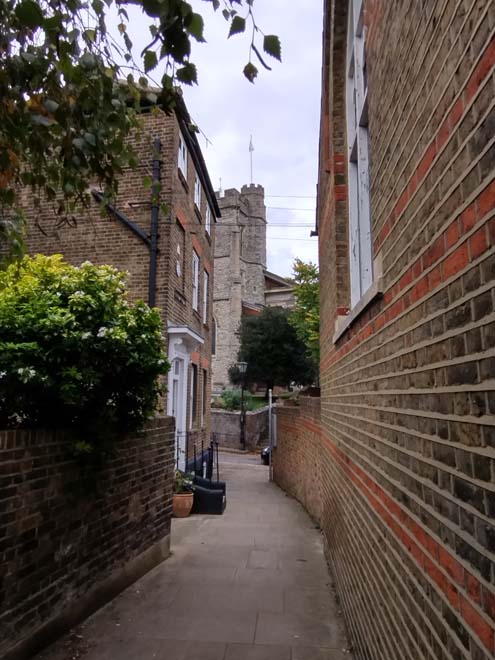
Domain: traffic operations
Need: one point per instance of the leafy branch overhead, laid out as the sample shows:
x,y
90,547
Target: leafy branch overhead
x,y
271,43
71,86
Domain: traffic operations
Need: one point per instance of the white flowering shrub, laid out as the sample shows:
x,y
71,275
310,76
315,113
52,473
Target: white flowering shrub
x,y
74,352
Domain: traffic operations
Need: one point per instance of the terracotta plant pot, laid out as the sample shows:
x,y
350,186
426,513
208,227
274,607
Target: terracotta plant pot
x,y
182,504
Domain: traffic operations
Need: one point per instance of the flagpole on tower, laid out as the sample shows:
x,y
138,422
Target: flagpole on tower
x,y
251,149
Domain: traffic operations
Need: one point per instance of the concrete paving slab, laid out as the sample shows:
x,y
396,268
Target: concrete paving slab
x,y
315,653
257,652
218,599
267,559
249,585
298,630
205,626
279,577
310,602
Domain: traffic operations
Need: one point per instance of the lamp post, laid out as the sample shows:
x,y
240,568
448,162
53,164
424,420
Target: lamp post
x,y
242,366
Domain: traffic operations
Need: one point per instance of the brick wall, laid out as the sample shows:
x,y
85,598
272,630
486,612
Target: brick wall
x,y
408,430
67,543
297,457
181,229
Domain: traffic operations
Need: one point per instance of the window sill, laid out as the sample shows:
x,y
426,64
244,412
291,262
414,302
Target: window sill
x,y
344,322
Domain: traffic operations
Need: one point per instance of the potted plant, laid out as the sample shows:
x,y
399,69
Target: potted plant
x,y
183,494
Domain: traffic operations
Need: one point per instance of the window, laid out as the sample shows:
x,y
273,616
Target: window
x,y
213,336
206,279
208,219
182,161
195,281
360,244
194,394
197,192
205,394
180,257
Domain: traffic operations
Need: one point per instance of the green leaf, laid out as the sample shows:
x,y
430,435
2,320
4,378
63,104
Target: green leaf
x,y
250,71
28,57
90,35
90,139
150,60
195,26
147,182
238,25
216,4
187,74
51,106
41,120
127,41
271,46
88,60
29,14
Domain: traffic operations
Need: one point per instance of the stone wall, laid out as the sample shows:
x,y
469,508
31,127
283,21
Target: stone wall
x,y
226,428
297,456
68,542
407,388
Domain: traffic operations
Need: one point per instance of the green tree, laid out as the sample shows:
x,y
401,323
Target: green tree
x,y
70,88
305,317
273,351
74,352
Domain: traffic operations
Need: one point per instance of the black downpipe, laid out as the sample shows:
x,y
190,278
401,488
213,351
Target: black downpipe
x,y
155,211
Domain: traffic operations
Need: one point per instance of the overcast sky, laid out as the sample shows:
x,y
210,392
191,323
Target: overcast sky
x,y
280,111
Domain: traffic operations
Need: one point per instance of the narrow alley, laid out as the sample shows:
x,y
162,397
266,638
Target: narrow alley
x,y
249,585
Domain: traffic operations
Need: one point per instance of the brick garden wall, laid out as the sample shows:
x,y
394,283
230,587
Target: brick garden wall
x,y
297,457
67,545
408,401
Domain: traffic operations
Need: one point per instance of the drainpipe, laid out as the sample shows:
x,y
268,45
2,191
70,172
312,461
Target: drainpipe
x,y
155,211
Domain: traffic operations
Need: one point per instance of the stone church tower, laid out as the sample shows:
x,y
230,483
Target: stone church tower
x,y
240,266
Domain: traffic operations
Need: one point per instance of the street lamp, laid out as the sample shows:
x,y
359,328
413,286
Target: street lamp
x,y
242,366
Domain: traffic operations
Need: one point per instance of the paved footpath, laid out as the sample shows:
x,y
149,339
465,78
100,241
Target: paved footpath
x,y
249,585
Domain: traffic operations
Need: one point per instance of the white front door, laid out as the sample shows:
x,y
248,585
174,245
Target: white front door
x,y
178,410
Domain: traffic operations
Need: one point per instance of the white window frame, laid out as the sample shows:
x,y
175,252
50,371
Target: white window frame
x,y
197,192
208,219
182,156
195,280
206,282
360,243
